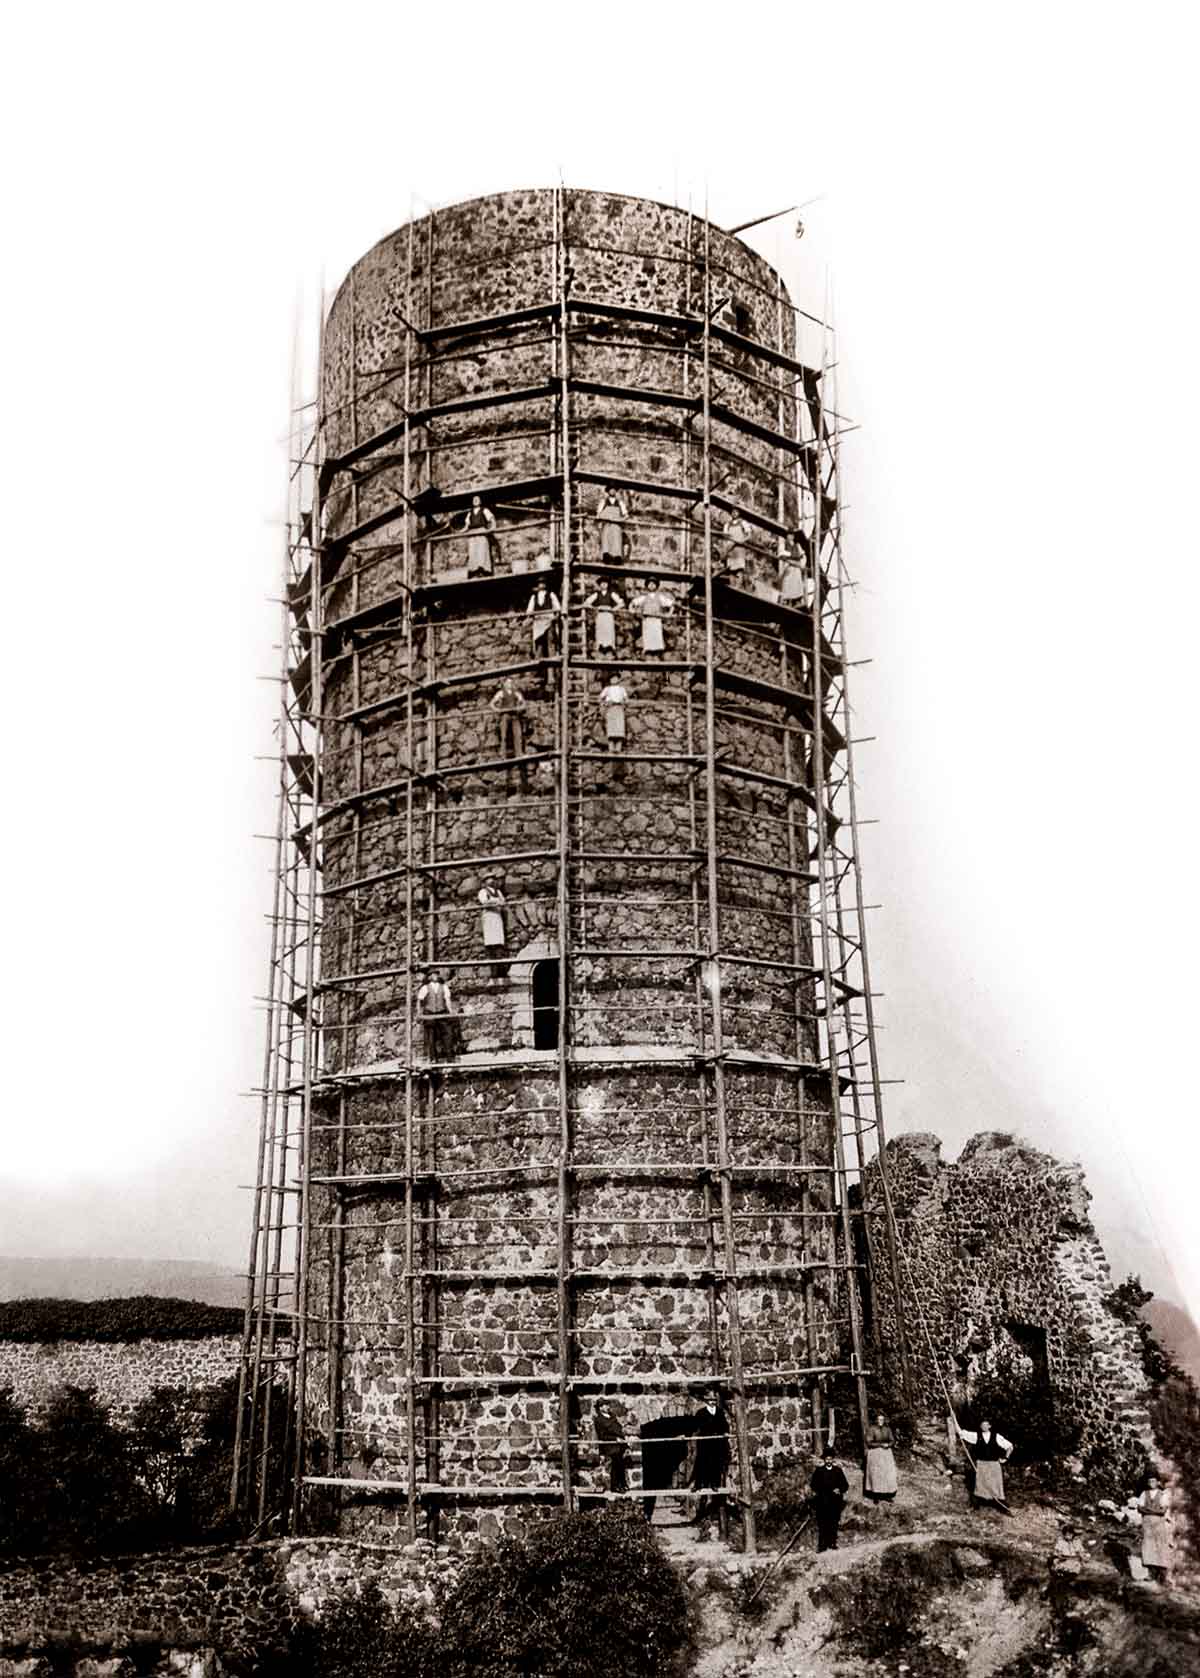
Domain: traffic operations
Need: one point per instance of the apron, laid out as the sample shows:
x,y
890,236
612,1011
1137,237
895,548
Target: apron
x,y
881,1471
652,635
1156,1535
612,536
493,925
614,719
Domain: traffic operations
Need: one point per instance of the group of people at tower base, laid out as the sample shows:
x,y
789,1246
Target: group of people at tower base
x,y
698,1444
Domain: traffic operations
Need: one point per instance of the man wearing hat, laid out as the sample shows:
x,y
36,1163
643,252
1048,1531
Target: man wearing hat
x,y
611,1435
710,1430
829,1487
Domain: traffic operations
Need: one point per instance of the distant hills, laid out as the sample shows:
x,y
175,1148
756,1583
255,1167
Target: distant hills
x,y
90,1278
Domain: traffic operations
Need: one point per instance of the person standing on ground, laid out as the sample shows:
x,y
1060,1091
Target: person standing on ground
x,y
611,1435
990,1450
1157,1536
830,1488
710,1430
880,1481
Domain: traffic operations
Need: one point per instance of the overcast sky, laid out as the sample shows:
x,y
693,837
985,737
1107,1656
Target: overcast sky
x,y
1007,208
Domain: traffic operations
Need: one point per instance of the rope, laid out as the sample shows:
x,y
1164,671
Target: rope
x,y
916,1299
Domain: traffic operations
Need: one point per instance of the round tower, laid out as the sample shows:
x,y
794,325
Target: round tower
x,y
573,1103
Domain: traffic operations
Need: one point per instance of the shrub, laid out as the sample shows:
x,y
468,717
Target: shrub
x,y
23,1476
76,1481
365,1637
578,1596
879,1611
782,1502
1125,1303
92,1498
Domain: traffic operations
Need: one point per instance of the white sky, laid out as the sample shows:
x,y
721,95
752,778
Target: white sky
x,y
1009,214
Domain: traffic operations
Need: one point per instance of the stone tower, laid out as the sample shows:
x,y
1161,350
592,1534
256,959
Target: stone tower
x,y
578,443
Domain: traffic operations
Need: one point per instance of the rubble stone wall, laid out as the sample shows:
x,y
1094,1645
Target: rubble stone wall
x,y
196,1611
411,775
490,1313
122,1373
1001,1253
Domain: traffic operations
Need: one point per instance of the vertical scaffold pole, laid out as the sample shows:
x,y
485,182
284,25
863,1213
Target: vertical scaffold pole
x,y
410,1302
822,837
563,1228
889,1218
733,1315
252,1323
311,975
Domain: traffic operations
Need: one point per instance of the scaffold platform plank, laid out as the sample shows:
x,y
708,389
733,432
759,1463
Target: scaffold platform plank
x,y
416,417
486,323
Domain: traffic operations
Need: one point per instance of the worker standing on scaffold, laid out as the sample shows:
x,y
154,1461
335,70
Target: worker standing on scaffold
x,y
492,927
612,513
612,702
479,524
611,1435
738,551
435,1010
543,613
508,702
606,603
793,572
654,604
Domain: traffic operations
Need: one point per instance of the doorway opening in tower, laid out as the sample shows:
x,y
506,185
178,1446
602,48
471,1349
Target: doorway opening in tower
x,y
545,982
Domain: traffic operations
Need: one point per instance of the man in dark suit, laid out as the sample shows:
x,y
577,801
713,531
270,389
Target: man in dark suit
x,y
829,1488
710,1429
611,1435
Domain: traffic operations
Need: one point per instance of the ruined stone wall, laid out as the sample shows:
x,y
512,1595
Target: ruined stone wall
x,y
1001,1252
232,1603
121,1373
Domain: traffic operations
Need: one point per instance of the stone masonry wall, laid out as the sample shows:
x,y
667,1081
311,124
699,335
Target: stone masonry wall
x,y
122,1374
634,1325
1001,1250
416,800
232,1602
